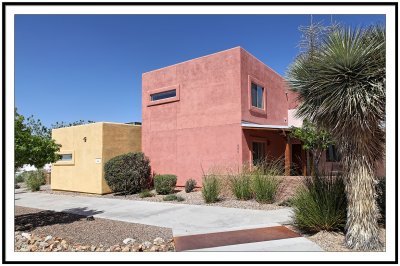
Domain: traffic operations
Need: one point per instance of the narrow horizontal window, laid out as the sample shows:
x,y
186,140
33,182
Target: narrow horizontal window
x,y
66,157
163,95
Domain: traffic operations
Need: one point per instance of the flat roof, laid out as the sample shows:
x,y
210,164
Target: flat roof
x,y
101,122
246,124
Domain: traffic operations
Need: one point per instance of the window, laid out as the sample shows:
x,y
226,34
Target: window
x,y
163,95
258,152
332,154
66,157
257,96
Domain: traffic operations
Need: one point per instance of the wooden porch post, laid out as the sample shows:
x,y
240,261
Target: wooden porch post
x,y
304,161
288,156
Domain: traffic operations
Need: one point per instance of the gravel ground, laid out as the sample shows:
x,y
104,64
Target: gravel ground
x,y
334,241
194,198
77,229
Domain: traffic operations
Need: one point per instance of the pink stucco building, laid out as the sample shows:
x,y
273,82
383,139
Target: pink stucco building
x,y
223,109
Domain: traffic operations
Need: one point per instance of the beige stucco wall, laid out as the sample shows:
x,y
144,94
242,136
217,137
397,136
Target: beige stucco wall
x,y
103,141
119,139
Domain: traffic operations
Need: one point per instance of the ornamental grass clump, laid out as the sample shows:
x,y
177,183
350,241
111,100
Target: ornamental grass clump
x,y
211,188
320,204
265,180
240,185
265,187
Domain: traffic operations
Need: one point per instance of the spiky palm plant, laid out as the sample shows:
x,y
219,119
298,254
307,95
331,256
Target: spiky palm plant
x,y
341,86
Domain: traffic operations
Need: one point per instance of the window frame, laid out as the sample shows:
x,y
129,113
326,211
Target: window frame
x,y
66,162
165,100
258,83
163,92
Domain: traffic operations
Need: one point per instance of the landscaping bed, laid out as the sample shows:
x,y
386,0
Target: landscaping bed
x,y
43,230
334,241
194,198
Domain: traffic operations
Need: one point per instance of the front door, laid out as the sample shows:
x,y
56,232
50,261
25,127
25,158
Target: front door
x,y
297,162
258,152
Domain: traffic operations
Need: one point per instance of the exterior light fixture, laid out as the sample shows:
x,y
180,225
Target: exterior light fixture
x,y
84,139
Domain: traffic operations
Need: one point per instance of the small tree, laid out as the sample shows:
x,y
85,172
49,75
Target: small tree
x,y
314,139
33,143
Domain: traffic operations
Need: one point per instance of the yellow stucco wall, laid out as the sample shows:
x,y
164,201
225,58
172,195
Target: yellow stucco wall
x,y
119,139
103,141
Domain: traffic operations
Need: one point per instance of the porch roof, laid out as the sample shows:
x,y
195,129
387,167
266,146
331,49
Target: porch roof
x,y
246,124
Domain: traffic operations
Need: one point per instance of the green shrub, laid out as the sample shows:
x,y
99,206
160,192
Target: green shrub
x,y
127,173
172,197
265,187
34,179
320,204
211,188
190,185
19,178
381,199
146,194
164,184
241,186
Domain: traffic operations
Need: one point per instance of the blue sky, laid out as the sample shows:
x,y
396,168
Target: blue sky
x,y
72,67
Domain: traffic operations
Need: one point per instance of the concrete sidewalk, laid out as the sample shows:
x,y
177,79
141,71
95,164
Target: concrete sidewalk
x,y
184,219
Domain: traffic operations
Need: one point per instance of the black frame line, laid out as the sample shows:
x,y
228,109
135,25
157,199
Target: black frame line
x,y
211,4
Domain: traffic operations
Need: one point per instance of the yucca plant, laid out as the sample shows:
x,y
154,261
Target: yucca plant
x,y
341,87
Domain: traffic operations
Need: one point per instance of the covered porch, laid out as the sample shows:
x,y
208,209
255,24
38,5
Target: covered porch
x,y
272,142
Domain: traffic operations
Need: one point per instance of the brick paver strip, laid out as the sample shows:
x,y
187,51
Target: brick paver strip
x,y
199,241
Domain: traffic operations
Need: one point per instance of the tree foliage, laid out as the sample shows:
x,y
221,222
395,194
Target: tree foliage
x,y
75,123
33,143
314,139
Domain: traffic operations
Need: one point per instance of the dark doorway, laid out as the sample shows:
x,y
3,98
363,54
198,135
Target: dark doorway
x,y
297,162
258,152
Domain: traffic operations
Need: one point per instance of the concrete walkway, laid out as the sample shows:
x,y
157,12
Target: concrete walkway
x,y
184,219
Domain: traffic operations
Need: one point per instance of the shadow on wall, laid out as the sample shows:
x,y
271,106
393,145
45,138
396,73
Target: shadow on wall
x,y
45,218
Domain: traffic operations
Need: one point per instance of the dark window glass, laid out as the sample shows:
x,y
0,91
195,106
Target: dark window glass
x,y
260,92
332,154
257,96
258,152
66,157
163,95
253,94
